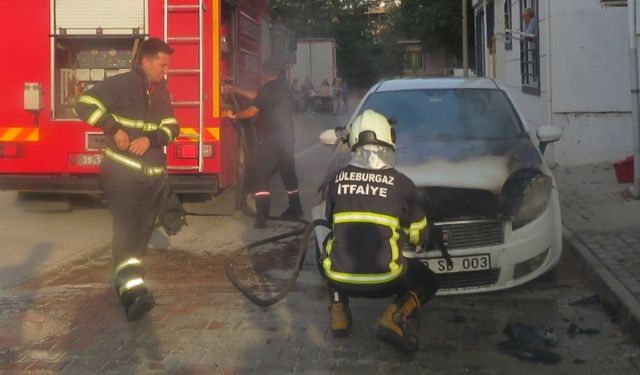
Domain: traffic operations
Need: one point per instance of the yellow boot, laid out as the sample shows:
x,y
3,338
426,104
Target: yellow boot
x,y
340,319
392,324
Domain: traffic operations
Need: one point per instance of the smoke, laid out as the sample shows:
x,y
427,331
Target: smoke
x,y
485,173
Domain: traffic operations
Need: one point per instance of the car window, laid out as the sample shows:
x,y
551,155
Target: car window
x,y
448,114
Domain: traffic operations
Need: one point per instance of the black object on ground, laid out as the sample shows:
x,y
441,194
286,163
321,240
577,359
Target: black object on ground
x,y
575,330
527,335
528,353
593,300
528,344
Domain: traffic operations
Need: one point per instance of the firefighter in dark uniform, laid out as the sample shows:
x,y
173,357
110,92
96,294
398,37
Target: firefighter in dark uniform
x,y
134,111
370,205
273,106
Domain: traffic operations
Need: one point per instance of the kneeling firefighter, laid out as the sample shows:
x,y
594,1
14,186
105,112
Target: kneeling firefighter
x,y
370,205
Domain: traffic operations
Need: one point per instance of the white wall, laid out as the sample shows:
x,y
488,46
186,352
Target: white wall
x,y
590,82
592,137
584,75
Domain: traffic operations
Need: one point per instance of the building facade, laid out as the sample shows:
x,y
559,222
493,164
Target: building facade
x,y
569,69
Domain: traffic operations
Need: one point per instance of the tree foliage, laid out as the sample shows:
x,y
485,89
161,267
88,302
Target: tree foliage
x,y
365,54
438,23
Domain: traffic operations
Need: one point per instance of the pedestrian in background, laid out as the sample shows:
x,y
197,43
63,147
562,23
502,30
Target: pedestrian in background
x,y
336,89
345,96
134,111
326,103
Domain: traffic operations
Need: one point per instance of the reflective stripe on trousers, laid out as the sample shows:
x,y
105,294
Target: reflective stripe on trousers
x,y
132,163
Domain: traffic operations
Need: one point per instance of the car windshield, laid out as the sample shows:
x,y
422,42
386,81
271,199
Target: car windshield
x,y
448,114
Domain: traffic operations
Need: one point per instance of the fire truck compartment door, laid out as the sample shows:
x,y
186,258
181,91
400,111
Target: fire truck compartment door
x,y
82,17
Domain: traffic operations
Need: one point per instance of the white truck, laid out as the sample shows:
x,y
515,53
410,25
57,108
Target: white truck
x,y
315,58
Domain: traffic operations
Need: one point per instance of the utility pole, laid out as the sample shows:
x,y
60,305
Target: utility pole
x,y
635,97
465,41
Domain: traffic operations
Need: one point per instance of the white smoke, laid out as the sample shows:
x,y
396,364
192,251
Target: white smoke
x,y
485,173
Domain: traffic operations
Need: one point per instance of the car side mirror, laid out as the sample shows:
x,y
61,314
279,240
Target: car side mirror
x,y
547,134
333,136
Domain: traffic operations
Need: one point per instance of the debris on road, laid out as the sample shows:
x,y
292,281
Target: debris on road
x,y
528,344
593,300
527,335
575,330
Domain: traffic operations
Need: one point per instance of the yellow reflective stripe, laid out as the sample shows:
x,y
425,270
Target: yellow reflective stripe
x,y
329,246
122,159
128,162
153,171
130,285
415,228
126,263
167,132
135,124
168,121
395,251
95,116
366,217
395,269
86,99
350,278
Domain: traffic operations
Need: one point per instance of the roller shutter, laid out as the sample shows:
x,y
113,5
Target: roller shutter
x,y
83,17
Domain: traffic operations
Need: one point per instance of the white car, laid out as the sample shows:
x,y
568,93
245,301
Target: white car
x,y
483,181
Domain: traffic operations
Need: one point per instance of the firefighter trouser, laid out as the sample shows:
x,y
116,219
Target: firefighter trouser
x,y
132,198
416,278
275,155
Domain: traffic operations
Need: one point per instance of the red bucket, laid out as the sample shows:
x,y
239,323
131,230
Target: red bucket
x,y
624,169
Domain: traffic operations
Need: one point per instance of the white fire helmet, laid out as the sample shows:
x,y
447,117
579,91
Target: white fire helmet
x,y
369,128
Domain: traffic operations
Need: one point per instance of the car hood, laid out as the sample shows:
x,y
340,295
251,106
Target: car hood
x,y
472,164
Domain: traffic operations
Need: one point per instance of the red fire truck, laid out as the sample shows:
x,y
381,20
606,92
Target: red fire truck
x,y
62,47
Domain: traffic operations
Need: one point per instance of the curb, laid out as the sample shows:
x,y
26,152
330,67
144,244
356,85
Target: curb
x,y
615,296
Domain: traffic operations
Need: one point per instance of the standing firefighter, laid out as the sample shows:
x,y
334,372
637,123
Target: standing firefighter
x,y
273,106
368,203
134,111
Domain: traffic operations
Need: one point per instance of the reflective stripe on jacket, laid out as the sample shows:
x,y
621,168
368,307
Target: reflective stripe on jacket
x,y
128,102
367,209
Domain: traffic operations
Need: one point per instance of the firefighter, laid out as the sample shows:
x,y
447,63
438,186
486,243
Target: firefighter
x,y
134,111
273,106
370,207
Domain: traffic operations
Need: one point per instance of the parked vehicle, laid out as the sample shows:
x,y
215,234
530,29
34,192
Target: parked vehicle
x,y
482,180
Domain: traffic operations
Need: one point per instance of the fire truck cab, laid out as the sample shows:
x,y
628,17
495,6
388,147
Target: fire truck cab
x,y
67,46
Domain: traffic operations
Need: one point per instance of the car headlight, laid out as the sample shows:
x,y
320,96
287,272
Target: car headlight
x,y
527,194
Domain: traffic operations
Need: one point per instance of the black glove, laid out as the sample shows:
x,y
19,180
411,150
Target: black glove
x,y
171,213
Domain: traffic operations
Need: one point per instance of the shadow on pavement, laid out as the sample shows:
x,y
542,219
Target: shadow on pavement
x,y
19,323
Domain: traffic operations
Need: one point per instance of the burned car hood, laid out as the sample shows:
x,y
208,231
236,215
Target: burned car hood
x,y
470,164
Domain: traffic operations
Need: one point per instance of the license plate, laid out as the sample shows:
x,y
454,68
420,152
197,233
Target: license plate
x,y
460,264
86,160
96,141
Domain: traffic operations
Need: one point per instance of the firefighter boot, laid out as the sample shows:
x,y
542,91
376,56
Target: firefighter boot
x,y
392,324
263,206
134,296
137,302
294,211
340,316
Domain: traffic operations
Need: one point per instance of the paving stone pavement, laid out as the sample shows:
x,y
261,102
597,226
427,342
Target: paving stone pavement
x,y
602,225
69,322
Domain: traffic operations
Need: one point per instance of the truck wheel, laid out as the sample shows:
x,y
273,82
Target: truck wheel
x,y
244,201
